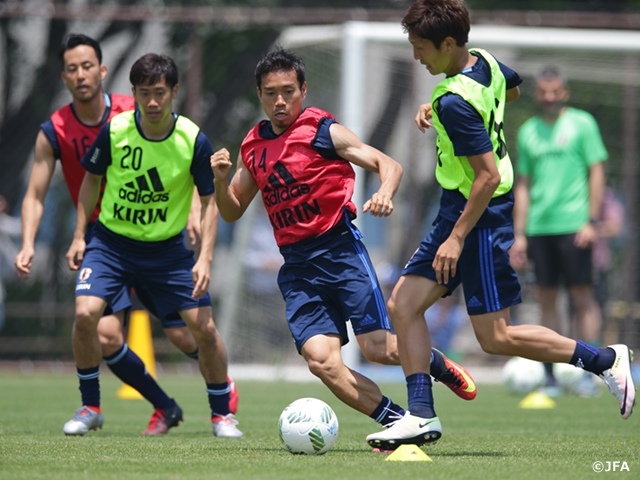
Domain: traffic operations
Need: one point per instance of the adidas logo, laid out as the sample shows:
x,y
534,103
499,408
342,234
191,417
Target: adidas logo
x,y
276,192
368,320
283,187
474,302
145,189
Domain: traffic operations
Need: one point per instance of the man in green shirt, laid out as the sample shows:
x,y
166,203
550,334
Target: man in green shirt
x,y
558,201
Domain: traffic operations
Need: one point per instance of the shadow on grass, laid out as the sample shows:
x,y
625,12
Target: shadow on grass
x,y
469,454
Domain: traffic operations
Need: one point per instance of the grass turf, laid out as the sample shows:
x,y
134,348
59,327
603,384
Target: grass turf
x,y
488,438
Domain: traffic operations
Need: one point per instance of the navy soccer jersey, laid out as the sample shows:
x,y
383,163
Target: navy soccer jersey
x,y
329,280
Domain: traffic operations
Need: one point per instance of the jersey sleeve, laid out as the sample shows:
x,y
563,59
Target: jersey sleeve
x,y
98,157
50,132
201,165
512,78
594,149
464,126
322,143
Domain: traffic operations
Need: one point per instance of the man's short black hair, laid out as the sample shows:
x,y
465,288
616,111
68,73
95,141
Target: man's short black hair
x,y
72,40
280,60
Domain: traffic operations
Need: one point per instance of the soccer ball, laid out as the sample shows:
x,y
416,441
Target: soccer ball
x,y
568,376
522,376
308,426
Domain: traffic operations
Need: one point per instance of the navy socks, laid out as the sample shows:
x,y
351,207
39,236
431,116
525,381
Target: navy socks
x,y
592,359
387,412
129,368
420,395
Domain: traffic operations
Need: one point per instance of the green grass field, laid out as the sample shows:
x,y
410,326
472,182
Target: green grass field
x,y
488,438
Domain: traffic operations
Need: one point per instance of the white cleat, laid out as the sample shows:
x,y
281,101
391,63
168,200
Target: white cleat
x,y
226,427
84,420
409,430
619,380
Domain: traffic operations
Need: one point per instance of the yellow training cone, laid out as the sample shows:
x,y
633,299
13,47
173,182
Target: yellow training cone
x,y
408,453
139,340
537,400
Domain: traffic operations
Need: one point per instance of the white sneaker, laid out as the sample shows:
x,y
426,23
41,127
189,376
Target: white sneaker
x,y
84,420
226,427
619,380
410,430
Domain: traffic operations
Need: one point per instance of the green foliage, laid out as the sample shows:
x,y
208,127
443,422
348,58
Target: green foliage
x,y
487,438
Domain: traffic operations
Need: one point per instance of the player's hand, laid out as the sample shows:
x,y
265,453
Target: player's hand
x,y
201,273
221,164
423,118
75,254
586,236
23,262
380,205
518,252
446,260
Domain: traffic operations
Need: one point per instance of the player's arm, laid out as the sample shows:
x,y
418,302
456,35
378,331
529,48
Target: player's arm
x,y
351,148
87,200
202,269
33,204
589,233
518,251
232,198
194,221
486,181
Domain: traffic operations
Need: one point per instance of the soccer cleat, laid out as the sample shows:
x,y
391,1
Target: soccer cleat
x,y
226,426
456,378
83,420
411,430
233,396
619,380
162,420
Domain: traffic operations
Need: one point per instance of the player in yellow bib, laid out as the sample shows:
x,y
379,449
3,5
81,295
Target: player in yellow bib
x,y
471,237
152,159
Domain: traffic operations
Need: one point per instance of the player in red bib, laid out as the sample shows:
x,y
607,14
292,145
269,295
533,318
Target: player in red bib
x,y
67,136
300,162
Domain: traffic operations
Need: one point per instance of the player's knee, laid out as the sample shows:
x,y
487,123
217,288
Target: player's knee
x,y
203,331
322,367
377,352
494,344
182,339
399,311
85,320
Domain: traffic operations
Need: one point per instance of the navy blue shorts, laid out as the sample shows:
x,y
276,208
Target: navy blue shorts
x,y
488,281
160,274
331,287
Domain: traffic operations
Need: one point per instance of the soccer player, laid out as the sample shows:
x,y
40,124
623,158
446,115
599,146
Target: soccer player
x,y
152,159
66,136
558,201
300,160
468,244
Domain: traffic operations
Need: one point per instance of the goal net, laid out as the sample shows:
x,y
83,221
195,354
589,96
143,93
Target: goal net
x,y
365,75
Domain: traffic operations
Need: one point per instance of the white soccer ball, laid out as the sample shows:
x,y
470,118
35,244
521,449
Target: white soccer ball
x,y
568,376
308,426
522,376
